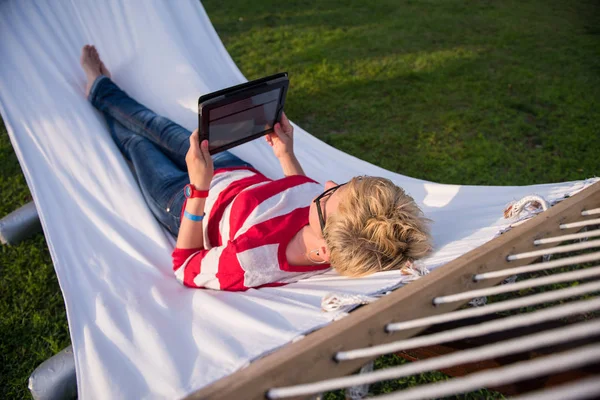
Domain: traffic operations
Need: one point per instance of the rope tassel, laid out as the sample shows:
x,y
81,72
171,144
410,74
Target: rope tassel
x,y
411,271
335,301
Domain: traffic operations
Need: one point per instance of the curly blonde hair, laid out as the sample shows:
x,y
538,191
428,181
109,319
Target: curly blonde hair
x,y
377,227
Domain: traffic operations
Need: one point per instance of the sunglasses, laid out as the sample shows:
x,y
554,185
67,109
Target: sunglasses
x,y
324,195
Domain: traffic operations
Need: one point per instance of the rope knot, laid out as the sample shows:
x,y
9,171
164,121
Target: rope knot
x,y
532,204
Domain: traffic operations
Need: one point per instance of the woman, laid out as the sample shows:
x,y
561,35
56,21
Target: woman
x,y
236,228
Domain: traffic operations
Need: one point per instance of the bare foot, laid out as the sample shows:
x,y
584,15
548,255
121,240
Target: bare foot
x,y
92,65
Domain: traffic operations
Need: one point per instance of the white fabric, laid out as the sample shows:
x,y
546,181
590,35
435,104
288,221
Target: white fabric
x,y
136,332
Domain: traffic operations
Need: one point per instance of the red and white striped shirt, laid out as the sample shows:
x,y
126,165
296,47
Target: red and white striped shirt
x,y
249,222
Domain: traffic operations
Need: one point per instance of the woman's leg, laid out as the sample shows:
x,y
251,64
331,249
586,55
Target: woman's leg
x,y
172,138
225,159
159,178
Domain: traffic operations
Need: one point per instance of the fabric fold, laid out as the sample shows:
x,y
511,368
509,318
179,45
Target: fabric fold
x,y
136,332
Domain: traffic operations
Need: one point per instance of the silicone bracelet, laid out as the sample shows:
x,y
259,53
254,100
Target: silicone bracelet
x,y
195,218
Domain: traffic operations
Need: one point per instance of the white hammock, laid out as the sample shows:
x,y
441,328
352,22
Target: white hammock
x,y
136,332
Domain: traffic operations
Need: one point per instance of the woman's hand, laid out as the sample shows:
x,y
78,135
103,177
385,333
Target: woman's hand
x,y
199,163
282,140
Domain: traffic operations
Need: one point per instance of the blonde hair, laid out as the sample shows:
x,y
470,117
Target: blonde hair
x,y
377,227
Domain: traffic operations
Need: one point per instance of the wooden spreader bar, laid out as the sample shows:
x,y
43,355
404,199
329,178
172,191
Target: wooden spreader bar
x,y
311,359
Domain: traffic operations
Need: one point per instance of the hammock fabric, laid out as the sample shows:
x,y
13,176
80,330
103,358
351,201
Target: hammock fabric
x,y
136,332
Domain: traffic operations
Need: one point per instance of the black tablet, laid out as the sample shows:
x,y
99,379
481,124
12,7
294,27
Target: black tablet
x,y
241,113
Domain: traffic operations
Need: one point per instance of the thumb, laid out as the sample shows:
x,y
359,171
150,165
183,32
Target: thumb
x,y
278,129
284,120
194,145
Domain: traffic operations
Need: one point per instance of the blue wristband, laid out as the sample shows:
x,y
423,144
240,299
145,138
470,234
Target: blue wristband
x,y
195,218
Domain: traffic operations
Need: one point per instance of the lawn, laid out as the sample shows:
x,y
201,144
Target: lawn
x,y
456,91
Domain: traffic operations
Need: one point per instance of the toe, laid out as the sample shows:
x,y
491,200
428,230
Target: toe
x,y
84,54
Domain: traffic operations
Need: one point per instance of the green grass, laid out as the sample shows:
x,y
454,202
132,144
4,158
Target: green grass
x,y
470,92
33,322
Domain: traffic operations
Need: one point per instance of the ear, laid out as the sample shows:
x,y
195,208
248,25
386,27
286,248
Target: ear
x,y
324,252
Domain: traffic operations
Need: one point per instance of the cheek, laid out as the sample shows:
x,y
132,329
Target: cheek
x,y
312,213
313,218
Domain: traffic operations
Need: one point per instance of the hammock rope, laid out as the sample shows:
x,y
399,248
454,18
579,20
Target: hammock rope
x,y
574,236
335,301
539,266
588,388
500,376
507,347
533,204
590,212
590,272
513,346
516,321
555,250
580,224
412,270
358,392
523,302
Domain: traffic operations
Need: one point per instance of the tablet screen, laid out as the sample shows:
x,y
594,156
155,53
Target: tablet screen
x,y
247,117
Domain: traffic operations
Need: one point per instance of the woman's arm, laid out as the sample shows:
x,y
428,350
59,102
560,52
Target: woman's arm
x,y
191,233
201,170
291,165
282,142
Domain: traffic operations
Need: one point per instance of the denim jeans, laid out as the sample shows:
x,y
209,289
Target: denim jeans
x,y
155,146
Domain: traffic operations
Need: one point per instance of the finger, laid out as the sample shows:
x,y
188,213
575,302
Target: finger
x,y
278,130
285,121
269,139
283,133
205,151
194,145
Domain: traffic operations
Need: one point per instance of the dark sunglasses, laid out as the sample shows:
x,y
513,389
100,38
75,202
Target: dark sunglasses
x,y
323,195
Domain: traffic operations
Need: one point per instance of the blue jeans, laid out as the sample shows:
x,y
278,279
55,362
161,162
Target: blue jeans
x,y
155,146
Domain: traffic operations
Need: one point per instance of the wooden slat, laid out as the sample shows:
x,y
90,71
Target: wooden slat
x,y
310,359
424,353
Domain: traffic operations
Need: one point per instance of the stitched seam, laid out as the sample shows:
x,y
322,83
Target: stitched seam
x,y
172,200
